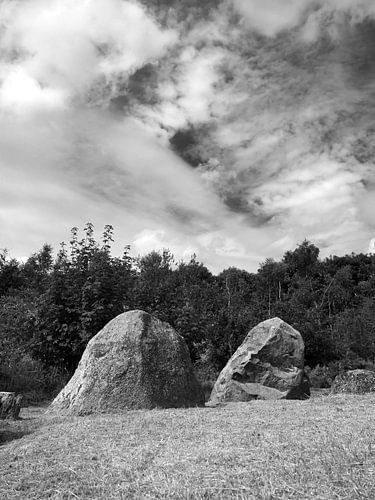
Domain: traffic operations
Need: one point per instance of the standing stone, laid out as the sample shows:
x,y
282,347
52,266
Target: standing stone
x,y
135,361
268,365
354,381
10,405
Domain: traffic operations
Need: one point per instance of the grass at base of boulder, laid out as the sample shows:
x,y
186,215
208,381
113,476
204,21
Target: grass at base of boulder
x,y
323,448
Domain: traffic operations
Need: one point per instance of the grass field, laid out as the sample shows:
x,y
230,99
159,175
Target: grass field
x,y
323,448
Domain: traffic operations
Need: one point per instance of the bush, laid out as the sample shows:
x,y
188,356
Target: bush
x,y
206,376
28,377
355,381
322,376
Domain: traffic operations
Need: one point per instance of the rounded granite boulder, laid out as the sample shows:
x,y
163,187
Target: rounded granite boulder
x,y
134,362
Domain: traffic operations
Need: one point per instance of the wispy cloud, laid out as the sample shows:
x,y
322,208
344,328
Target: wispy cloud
x,y
269,17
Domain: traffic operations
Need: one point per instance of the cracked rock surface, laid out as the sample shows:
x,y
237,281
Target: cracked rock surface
x,y
269,364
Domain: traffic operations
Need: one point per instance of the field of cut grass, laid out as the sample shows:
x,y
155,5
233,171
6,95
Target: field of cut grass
x,y
323,448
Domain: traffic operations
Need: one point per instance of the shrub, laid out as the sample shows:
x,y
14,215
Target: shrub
x,y
355,381
322,376
28,377
206,376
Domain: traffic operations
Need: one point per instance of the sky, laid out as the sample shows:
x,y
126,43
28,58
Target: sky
x,y
232,129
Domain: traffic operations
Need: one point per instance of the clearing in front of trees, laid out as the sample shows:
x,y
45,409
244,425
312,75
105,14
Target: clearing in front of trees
x,y
323,448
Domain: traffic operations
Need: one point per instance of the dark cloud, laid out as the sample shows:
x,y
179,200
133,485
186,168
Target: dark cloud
x,y
188,144
186,12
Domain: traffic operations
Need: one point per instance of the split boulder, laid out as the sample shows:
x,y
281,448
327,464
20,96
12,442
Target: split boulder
x,y
354,381
268,365
134,362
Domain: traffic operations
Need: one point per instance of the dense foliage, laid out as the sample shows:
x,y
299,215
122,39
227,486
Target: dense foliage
x,y
51,306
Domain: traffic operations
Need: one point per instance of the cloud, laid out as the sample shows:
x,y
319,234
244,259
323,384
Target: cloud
x,y
193,133
157,240
83,165
21,92
269,17
312,17
216,248
288,139
68,46
185,91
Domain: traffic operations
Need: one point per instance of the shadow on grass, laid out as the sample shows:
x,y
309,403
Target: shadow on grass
x,y
30,420
7,435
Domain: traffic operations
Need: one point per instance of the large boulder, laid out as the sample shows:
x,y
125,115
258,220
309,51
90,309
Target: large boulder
x,y
135,361
268,365
354,381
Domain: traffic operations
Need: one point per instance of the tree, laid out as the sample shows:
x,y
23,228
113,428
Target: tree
x,y
16,315
36,270
273,279
152,288
53,306
10,274
86,289
303,259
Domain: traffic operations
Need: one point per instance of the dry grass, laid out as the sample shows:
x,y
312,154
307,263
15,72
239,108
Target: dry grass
x,y
323,448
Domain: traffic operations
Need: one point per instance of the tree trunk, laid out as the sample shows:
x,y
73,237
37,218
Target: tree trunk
x,y
10,405
269,301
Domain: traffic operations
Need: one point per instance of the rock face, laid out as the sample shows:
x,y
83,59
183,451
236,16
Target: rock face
x,y
268,365
355,381
10,405
135,361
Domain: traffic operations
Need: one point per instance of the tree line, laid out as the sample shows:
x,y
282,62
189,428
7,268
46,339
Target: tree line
x,y
50,306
